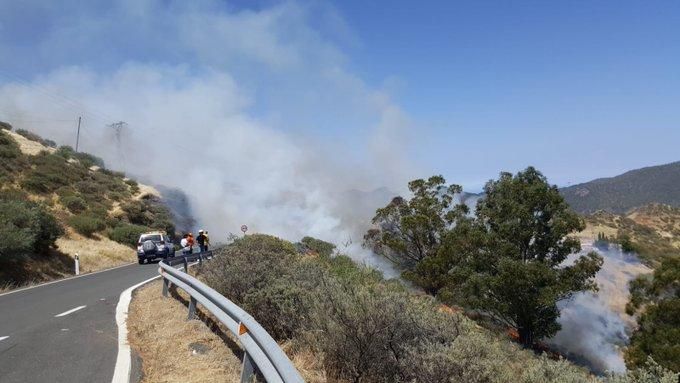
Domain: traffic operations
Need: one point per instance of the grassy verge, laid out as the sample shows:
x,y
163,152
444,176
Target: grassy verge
x,y
174,349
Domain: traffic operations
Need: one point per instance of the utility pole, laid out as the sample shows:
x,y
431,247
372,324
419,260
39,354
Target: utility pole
x,y
78,135
118,128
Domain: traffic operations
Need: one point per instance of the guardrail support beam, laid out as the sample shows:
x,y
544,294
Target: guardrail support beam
x,y
186,265
166,286
192,308
248,370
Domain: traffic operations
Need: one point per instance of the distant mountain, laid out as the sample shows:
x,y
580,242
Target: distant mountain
x,y
654,184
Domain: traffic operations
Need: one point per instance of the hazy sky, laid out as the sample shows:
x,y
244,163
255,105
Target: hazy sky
x,y
579,89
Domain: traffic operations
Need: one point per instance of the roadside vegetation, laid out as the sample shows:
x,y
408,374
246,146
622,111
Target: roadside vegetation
x,y
342,322
55,198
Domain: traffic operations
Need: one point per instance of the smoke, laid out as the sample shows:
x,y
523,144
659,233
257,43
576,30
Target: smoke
x,y
254,114
595,327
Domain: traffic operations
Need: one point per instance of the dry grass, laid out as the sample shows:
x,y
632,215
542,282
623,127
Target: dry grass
x,y
307,363
160,333
95,253
27,146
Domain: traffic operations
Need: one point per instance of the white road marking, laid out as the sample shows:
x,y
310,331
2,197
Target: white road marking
x,y
121,374
64,329
70,311
3,337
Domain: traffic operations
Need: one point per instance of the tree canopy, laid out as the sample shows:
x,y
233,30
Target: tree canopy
x,y
510,260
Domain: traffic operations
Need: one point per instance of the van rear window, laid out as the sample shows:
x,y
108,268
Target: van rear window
x,y
151,237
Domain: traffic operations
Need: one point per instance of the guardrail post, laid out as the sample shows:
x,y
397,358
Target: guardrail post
x,y
248,370
165,287
186,265
200,259
192,308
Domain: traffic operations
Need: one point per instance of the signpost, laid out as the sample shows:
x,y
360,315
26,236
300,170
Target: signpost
x,y
244,228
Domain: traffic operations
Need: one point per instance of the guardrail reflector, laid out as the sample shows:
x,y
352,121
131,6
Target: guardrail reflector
x,y
242,329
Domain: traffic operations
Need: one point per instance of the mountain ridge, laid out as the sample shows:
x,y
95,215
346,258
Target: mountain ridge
x,y
634,188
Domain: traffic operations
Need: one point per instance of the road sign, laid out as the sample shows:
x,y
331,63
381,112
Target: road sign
x,y
244,228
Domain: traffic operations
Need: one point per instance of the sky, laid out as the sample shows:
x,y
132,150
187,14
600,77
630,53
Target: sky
x,y
578,89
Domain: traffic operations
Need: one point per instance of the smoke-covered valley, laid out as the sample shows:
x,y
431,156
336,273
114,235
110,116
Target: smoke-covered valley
x,y
595,326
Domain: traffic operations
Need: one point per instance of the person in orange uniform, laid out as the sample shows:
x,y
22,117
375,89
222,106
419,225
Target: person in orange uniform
x,y
190,242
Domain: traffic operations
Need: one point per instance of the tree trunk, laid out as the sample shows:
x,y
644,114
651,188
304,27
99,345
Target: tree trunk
x,y
526,336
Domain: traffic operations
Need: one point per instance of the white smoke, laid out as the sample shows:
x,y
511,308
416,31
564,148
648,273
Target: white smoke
x,y
248,112
595,327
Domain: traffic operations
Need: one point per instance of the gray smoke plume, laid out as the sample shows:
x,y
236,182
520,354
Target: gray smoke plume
x,y
247,112
595,326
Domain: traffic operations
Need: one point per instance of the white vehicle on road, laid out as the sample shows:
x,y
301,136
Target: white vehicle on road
x,y
154,245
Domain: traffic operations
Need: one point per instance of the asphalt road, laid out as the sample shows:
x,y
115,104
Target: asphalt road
x,y
46,336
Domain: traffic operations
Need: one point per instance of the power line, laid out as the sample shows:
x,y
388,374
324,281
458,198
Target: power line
x,y
59,98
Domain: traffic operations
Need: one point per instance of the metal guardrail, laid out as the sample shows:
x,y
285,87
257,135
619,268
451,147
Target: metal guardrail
x,y
262,355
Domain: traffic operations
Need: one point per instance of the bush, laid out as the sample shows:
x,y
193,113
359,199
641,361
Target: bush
x,y
127,234
264,243
65,152
5,125
50,173
90,188
134,186
26,227
149,212
88,160
8,147
323,248
86,224
74,204
366,333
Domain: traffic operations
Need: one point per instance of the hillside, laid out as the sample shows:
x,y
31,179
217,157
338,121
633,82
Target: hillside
x,y
654,184
652,231
56,203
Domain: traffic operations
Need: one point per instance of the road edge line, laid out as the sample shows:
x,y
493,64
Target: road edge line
x,y
121,373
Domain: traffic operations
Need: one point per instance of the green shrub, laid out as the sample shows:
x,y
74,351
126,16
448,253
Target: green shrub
x,y
8,147
86,224
323,248
651,372
366,332
50,173
88,160
112,173
26,227
134,186
66,191
74,204
265,243
5,125
90,188
65,152
127,234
